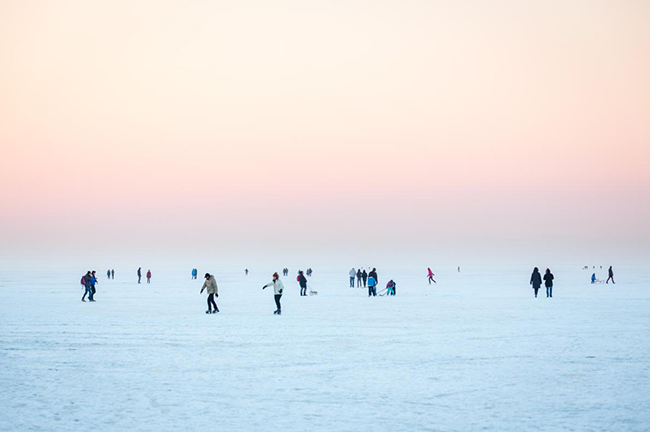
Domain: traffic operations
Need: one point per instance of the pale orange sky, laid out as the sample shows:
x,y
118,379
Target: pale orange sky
x,y
421,126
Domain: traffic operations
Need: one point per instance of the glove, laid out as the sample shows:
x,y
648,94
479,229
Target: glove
x,y
264,287
216,295
280,291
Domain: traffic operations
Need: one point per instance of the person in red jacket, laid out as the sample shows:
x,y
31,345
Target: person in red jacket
x,y
148,276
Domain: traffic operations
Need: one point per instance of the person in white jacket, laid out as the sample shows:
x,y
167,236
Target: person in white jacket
x,y
213,291
353,274
277,290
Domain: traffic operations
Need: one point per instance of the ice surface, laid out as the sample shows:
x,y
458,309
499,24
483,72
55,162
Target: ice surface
x,y
476,351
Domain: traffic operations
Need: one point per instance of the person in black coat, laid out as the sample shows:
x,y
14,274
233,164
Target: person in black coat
x,y
364,276
610,275
373,273
548,282
302,281
536,280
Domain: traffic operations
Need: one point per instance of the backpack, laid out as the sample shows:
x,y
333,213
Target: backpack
x,y
83,280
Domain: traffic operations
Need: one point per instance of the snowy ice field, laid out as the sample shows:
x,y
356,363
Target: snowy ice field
x,y
474,352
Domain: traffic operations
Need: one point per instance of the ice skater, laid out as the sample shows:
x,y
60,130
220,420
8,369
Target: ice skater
x,y
139,274
246,272
548,282
278,287
536,280
302,281
213,291
610,274
390,288
430,276
148,276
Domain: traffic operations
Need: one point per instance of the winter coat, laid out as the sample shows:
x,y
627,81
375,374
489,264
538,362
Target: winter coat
x,y
149,275
374,275
93,280
364,275
211,285
139,272
277,286
372,281
353,273
358,274
536,279
548,279
302,281
611,272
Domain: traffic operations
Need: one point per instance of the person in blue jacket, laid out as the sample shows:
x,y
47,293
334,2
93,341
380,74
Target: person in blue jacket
x,y
372,286
593,278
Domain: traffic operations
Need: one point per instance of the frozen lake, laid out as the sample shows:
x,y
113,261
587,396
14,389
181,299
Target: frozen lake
x,y
476,351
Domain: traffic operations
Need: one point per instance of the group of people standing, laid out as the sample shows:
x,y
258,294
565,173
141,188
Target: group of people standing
x,y
110,274
362,278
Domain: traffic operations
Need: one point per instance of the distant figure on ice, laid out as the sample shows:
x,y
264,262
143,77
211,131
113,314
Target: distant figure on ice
x,y
86,282
390,288
108,274
277,291
359,283
139,274
364,276
194,273
430,276
372,286
458,269
246,271
213,291
536,280
353,274
148,276
593,278
548,282
302,281
610,275
113,274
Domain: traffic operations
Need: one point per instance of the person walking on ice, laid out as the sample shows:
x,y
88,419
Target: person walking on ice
x,y
148,276
302,281
278,287
610,275
536,280
139,274
430,276
86,282
548,282
213,291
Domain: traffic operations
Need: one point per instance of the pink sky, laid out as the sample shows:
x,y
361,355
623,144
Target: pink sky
x,y
421,126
